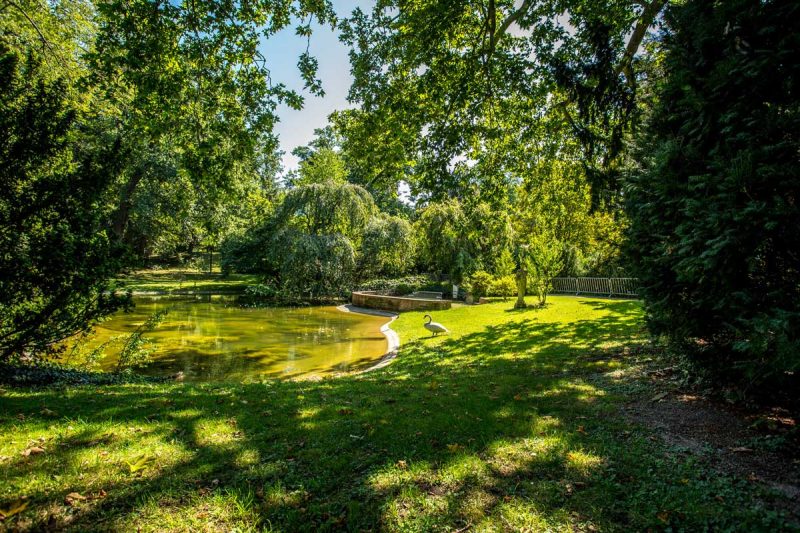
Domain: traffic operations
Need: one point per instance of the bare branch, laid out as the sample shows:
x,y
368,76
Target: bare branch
x,y
651,11
512,18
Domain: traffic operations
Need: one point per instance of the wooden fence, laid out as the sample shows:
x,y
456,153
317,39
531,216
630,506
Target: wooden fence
x,y
606,286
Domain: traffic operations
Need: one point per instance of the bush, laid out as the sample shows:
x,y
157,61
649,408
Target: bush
x,y
504,286
478,284
400,286
50,374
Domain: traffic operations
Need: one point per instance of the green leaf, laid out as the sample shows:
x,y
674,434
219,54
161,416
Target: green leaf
x,y
140,463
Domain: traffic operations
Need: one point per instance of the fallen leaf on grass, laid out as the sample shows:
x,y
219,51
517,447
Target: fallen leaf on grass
x,y
659,396
140,463
402,465
663,516
454,447
74,497
15,507
33,450
742,449
48,412
581,430
345,411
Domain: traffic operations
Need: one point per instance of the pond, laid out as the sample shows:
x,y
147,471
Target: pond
x,y
212,338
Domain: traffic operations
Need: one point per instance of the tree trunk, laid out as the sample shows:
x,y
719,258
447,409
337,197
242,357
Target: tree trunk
x,y
522,286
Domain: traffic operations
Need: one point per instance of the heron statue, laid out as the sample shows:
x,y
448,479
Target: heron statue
x,y
434,327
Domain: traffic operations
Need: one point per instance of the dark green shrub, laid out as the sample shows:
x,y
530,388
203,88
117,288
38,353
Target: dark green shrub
x,y
398,286
714,210
57,252
49,374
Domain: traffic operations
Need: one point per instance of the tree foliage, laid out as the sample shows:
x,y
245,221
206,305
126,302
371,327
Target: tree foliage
x,y
439,81
388,247
325,208
310,244
714,210
456,239
57,255
321,166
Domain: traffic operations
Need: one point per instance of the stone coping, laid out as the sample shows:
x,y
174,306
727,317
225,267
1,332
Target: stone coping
x,y
392,338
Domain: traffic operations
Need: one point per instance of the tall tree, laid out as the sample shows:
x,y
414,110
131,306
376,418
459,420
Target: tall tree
x,y
56,257
454,75
190,76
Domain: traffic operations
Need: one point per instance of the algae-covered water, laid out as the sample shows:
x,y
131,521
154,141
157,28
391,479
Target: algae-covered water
x,y
211,338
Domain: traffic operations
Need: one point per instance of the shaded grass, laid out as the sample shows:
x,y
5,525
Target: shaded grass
x,y
508,423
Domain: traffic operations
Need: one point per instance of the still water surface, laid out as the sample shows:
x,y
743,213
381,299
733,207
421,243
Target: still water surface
x,y
211,338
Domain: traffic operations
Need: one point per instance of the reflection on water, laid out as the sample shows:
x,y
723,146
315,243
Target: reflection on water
x,y
211,338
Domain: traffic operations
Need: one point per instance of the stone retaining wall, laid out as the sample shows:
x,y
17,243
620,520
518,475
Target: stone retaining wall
x,y
376,300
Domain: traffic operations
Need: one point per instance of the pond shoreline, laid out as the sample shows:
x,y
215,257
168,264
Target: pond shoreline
x,y
392,338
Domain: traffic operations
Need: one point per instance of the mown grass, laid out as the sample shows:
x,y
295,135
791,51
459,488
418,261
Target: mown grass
x,y
178,281
509,423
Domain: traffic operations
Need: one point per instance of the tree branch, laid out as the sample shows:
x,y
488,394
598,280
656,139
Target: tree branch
x,y
651,10
512,18
16,6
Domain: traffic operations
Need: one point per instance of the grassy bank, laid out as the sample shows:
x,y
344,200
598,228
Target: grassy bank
x,y
509,423
184,281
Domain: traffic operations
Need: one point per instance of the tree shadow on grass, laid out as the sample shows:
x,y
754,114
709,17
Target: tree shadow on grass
x,y
508,427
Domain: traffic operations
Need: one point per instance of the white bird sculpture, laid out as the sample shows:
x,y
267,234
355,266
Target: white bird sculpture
x,y
434,327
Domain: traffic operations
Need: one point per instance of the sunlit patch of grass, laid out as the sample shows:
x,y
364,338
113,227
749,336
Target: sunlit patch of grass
x,y
518,514
212,511
582,462
247,458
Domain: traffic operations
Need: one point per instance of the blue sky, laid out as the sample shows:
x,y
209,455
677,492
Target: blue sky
x,y
282,50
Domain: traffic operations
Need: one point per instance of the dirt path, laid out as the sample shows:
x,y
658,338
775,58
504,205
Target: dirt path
x,y
757,447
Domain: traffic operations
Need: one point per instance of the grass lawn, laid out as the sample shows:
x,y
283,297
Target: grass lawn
x,y
177,281
509,423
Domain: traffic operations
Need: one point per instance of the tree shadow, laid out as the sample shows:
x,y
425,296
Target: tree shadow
x,y
508,425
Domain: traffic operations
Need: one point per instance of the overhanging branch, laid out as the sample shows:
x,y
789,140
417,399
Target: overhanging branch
x,y
651,11
512,18
16,6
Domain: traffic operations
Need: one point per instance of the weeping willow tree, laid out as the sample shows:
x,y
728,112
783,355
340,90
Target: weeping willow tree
x,y
327,208
387,248
309,247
